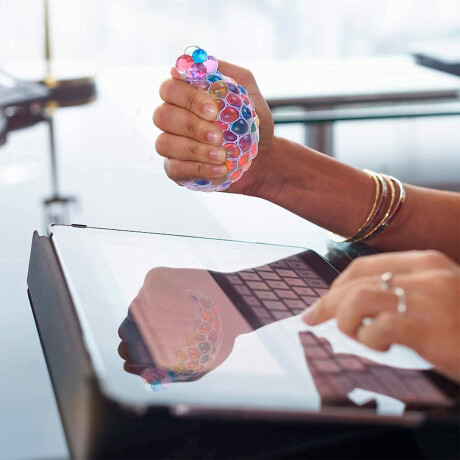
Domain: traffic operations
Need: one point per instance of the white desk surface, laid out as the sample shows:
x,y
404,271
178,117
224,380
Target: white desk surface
x,y
330,80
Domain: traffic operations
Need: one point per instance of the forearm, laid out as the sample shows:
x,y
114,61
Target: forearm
x,y
339,197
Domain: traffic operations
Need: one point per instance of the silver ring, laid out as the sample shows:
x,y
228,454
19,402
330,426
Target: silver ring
x,y
401,307
385,281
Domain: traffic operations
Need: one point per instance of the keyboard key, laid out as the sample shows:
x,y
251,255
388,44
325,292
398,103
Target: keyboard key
x,y
308,339
316,353
269,276
428,392
266,295
304,291
316,283
325,366
309,300
243,290
250,276
265,268
281,314
251,301
285,294
287,273
295,282
307,274
275,305
278,284
234,279
295,303
349,363
257,285
279,264
266,321
261,312
297,264
321,292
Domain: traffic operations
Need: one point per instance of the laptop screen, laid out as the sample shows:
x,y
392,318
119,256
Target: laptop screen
x,y
174,320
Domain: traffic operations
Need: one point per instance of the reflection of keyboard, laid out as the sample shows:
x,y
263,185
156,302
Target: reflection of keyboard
x,y
335,375
275,291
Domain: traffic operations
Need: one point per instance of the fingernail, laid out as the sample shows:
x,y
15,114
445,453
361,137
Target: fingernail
x,y
214,138
210,111
217,155
219,170
309,316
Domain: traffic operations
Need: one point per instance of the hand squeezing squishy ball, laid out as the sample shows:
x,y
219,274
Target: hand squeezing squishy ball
x,y
237,117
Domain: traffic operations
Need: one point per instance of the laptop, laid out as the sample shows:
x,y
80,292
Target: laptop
x,y
206,326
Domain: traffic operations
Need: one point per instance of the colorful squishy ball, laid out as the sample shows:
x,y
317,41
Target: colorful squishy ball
x,y
237,117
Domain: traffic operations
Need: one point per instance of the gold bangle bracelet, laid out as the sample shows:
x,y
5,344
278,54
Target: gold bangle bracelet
x,y
399,204
365,229
377,201
385,218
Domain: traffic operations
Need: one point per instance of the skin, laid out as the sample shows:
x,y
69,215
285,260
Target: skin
x,y
337,197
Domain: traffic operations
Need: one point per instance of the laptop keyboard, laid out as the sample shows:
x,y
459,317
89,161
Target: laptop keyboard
x,y
337,374
279,290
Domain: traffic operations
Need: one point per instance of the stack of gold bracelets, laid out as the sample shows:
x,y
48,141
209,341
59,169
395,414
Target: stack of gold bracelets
x,y
379,218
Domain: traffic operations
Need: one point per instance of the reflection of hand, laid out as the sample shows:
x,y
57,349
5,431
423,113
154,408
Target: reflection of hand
x,y
182,329
188,118
431,324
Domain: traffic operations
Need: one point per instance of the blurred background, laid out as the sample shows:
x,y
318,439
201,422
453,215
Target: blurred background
x,y
94,162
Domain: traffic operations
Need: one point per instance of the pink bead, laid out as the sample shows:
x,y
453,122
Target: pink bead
x,y
184,62
196,71
211,64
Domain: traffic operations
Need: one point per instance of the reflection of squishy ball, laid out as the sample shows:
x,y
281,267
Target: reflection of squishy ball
x,y
200,350
237,117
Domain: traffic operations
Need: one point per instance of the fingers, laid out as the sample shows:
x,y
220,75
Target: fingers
x,y
183,148
181,94
396,262
176,120
389,328
180,170
352,303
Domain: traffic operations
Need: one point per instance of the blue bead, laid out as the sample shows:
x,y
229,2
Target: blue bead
x,y
242,90
214,77
240,127
199,55
201,182
246,112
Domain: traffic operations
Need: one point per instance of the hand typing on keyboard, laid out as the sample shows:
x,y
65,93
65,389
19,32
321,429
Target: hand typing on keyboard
x,y
429,321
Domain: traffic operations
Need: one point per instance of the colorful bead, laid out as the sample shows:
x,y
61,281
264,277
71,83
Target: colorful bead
x,y
201,182
218,89
240,127
214,77
246,112
201,85
229,115
243,160
229,136
233,88
199,55
234,100
231,165
184,62
196,71
232,150
221,125
190,50
211,64
245,143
